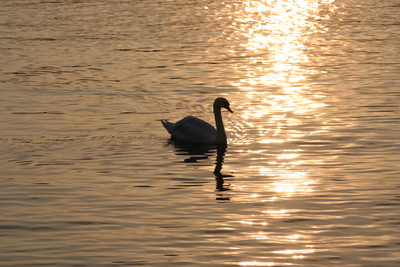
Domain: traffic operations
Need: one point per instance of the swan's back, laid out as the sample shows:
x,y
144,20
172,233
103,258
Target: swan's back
x,y
191,129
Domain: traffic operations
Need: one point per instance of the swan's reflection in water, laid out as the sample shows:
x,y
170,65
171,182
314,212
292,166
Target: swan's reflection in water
x,y
196,152
219,177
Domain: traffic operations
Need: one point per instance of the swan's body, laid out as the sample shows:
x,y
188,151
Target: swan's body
x,y
195,130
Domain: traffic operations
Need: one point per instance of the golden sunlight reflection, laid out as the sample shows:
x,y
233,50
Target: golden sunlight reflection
x,y
279,105
256,263
259,235
293,182
296,253
279,102
293,238
277,213
274,35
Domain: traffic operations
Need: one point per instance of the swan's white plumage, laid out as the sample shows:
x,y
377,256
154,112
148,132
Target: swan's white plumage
x,y
195,130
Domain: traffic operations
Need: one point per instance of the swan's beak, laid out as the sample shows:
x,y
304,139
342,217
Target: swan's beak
x,y
229,109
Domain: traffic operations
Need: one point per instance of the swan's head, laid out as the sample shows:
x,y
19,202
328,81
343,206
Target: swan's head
x,y
222,103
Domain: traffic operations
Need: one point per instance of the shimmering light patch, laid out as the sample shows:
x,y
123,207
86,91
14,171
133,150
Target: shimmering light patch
x,y
269,141
273,199
279,102
257,263
293,238
246,222
277,213
287,181
274,35
259,235
293,182
296,253
288,156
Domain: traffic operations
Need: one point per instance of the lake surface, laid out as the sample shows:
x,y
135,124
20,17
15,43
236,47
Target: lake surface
x,y
310,176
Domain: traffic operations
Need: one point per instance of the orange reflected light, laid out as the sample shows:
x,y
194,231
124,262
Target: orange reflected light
x,y
277,214
276,34
288,182
246,222
269,141
293,238
297,253
274,66
288,156
291,188
259,235
257,263
293,183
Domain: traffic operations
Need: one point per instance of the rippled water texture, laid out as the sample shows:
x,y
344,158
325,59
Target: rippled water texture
x,y
310,176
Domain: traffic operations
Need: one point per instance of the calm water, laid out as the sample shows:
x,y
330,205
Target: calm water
x,y
310,176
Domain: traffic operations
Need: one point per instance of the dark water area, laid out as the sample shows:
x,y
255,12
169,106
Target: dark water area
x,y
310,174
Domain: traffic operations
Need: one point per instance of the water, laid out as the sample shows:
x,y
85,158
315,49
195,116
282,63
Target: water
x,y
310,174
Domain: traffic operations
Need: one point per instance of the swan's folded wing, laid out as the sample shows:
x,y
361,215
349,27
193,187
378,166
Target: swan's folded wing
x,y
190,120
192,129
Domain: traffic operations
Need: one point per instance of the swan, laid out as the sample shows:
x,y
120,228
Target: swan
x,y
195,130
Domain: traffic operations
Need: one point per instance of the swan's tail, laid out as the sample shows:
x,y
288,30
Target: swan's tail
x,y
167,125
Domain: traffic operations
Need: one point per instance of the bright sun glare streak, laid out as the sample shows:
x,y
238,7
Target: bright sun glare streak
x,y
279,101
278,214
277,32
275,36
293,238
257,263
296,252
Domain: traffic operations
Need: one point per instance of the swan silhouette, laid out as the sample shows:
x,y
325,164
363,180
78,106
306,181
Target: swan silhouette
x,y
195,130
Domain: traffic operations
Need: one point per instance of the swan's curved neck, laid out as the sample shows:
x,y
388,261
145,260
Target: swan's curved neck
x,y
221,135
